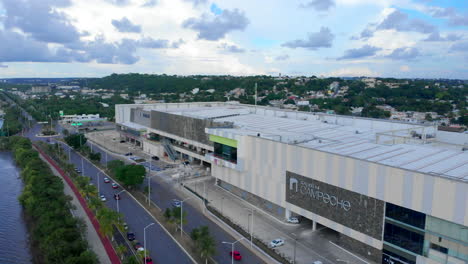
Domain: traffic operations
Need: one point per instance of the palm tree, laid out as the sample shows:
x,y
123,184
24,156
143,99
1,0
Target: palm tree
x,y
121,250
107,218
207,247
95,204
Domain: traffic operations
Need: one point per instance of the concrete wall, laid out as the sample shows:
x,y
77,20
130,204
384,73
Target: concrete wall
x,y
264,175
183,126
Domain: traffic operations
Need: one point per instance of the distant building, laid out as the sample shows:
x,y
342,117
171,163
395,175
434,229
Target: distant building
x,y
334,86
370,82
195,90
303,103
40,89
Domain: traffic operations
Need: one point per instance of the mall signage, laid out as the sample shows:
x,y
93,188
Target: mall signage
x,y
354,210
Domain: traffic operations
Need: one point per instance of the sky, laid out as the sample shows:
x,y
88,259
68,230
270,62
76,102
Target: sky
x,y
95,38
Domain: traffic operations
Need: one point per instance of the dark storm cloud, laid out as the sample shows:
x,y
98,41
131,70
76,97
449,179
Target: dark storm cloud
x,y
319,5
404,54
211,27
321,39
362,52
40,20
125,25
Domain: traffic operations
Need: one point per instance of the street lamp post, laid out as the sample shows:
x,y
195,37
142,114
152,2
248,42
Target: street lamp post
x,y
118,209
182,214
295,242
149,188
232,247
144,239
250,222
99,182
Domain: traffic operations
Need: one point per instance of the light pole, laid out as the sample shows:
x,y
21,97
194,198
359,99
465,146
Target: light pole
x,y
82,166
182,214
295,242
118,209
144,239
149,188
98,182
250,225
232,247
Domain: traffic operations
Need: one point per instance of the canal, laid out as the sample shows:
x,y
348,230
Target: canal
x,y
14,243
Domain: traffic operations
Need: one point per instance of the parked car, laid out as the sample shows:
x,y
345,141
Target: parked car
x,y
176,203
138,246
125,226
236,255
155,158
276,243
129,154
117,196
130,236
122,141
317,262
106,180
148,260
103,198
114,185
186,163
293,220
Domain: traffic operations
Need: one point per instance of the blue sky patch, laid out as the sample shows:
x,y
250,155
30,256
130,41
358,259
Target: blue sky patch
x,y
215,9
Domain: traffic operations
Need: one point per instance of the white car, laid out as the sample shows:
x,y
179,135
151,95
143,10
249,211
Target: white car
x,y
293,220
103,198
317,262
276,243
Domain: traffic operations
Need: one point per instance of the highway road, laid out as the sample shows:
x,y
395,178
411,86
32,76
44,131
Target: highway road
x,y
162,248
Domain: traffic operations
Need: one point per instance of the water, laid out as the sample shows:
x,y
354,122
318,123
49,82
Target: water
x,y
14,243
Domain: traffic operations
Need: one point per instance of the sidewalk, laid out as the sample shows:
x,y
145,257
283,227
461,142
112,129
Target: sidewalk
x,y
310,246
97,242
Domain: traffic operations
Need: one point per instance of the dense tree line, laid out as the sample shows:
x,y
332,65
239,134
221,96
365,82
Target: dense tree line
x,y
12,121
55,234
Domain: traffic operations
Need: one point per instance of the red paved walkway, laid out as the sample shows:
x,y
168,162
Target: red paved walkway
x,y
105,240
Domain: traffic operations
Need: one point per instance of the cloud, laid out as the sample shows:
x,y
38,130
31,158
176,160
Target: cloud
x,y
282,57
3,66
460,46
125,25
19,48
435,36
40,20
362,52
196,2
321,39
404,54
150,3
231,48
119,2
351,72
212,27
401,22
454,18
151,43
319,5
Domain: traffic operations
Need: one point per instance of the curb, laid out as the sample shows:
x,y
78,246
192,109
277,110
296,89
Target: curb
x,y
104,240
142,206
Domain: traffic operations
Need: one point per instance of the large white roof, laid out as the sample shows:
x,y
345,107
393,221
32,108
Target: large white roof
x,y
391,143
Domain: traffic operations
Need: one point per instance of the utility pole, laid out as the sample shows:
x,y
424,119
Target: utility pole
x,y
255,97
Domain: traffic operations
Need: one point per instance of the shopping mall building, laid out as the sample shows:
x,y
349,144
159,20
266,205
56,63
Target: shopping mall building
x,y
394,192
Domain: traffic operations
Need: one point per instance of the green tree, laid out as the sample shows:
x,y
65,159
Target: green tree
x,y
107,218
131,260
113,165
204,242
131,175
76,140
95,156
121,250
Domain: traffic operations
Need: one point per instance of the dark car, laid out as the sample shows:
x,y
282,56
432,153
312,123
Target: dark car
x,y
122,141
129,154
148,260
155,158
130,236
186,163
117,196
